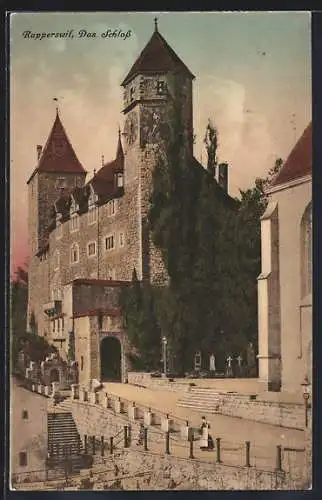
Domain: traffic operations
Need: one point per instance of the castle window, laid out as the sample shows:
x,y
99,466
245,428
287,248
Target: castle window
x,y
74,253
62,324
111,208
74,222
306,252
109,242
54,324
23,459
121,239
161,87
120,180
24,414
60,183
82,363
91,249
58,325
131,94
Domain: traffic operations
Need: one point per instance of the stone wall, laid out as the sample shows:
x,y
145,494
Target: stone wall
x,y
96,420
283,415
169,473
145,380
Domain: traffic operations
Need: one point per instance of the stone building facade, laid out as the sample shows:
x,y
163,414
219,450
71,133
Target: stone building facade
x,y
86,238
285,283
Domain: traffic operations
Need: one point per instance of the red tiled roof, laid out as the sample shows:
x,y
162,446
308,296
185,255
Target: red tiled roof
x,y
94,312
156,57
58,154
101,282
299,162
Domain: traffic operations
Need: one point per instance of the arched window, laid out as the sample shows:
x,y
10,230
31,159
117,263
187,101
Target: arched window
x,y
74,253
306,252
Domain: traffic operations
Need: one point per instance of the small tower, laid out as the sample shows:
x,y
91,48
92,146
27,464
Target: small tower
x,y
58,168
157,83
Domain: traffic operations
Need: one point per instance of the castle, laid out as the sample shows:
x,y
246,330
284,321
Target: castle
x,y
87,238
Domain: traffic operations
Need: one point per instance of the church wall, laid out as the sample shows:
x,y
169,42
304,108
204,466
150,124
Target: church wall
x,y
291,205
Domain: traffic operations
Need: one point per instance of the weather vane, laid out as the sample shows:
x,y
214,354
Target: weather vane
x,y
56,100
156,24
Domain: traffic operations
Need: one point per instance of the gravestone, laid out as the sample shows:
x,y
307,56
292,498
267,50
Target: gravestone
x,y
239,367
212,363
229,369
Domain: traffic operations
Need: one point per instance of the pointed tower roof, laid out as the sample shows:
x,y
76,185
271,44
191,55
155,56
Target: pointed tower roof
x,y
103,181
58,154
156,57
299,162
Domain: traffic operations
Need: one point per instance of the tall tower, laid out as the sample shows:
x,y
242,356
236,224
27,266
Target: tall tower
x,y
157,81
58,171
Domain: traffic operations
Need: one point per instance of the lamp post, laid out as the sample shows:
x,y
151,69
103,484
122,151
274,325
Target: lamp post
x,y
306,396
164,344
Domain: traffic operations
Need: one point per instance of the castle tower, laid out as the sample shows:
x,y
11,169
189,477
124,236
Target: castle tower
x,y
58,171
157,83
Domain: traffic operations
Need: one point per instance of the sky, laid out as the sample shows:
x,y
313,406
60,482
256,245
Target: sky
x,y
253,79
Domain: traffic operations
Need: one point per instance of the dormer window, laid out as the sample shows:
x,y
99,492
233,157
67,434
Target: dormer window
x,y
120,180
161,87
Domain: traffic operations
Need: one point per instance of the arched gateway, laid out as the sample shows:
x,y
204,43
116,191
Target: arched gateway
x,y
111,359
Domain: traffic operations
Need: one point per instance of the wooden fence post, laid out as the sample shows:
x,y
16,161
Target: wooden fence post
x,y
145,439
218,459
167,443
279,458
247,443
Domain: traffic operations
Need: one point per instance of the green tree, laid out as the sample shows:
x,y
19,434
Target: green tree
x,y
138,305
36,347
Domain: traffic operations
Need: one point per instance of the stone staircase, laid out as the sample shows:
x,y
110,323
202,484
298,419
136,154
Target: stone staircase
x,y
63,436
201,399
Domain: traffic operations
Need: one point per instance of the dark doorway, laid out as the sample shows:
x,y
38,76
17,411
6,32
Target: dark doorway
x,y
54,375
110,360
